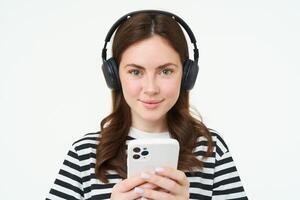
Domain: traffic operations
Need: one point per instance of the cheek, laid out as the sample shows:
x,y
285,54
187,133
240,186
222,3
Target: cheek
x,y
171,89
130,88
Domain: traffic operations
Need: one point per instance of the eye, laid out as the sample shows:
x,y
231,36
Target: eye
x,y
167,71
134,72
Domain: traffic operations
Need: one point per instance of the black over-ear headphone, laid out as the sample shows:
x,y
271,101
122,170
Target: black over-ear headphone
x,y
111,70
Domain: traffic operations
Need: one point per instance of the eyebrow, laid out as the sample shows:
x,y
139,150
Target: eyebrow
x,y
159,67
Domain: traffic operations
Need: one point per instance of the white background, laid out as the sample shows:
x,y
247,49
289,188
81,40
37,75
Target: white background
x,y
53,91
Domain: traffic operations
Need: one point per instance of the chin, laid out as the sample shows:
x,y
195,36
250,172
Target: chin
x,y
152,117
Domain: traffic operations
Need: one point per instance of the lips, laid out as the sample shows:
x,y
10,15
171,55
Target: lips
x,y
151,104
151,101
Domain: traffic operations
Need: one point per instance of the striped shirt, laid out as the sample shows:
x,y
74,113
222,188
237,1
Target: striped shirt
x,y
218,179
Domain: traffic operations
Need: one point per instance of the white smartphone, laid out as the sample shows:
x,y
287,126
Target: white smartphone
x,y
144,155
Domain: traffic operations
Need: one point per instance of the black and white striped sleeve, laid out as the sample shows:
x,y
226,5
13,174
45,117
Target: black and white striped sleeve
x,y
68,183
227,183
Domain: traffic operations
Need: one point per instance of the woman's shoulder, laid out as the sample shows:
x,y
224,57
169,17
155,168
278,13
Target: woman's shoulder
x,y
219,144
87,141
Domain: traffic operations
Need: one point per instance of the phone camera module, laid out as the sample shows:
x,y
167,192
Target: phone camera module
x,y
136,150
136,156
144,153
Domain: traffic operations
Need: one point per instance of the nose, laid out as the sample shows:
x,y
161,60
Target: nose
x,y
150,86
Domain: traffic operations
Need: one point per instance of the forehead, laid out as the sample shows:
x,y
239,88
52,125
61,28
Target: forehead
x,y
151,52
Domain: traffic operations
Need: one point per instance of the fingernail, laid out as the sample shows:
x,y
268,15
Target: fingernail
x,y
143,198
145,175
138,190
159,169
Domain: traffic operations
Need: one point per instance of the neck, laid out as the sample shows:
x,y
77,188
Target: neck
x,y
151,126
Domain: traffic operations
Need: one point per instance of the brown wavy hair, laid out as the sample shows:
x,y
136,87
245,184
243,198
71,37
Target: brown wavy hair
x,y
111,150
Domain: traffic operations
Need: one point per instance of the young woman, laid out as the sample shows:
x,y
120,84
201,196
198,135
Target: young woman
x,y
151,75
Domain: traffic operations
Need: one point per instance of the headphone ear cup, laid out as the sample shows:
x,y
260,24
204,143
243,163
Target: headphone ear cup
x,y
190,72
111,74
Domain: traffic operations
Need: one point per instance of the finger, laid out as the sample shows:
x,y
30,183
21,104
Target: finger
x,y
129,183
148,186
131,195
163,182
163,190
144,198
153,194
177,175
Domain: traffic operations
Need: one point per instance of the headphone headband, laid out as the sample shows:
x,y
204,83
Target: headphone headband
x,y
175,17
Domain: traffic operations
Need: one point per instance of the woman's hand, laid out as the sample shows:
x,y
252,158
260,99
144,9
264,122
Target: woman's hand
x,y
124,190
173,185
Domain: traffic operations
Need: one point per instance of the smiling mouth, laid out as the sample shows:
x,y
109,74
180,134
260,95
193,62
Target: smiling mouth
x,y
151,104
151,101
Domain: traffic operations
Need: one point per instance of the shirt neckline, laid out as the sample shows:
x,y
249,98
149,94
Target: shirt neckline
x,y
137,133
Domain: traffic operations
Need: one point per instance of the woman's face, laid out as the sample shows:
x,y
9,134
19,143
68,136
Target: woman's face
x,y
150,73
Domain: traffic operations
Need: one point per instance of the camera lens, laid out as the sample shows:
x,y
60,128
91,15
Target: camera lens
x,y
136,156
136,149
144,153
